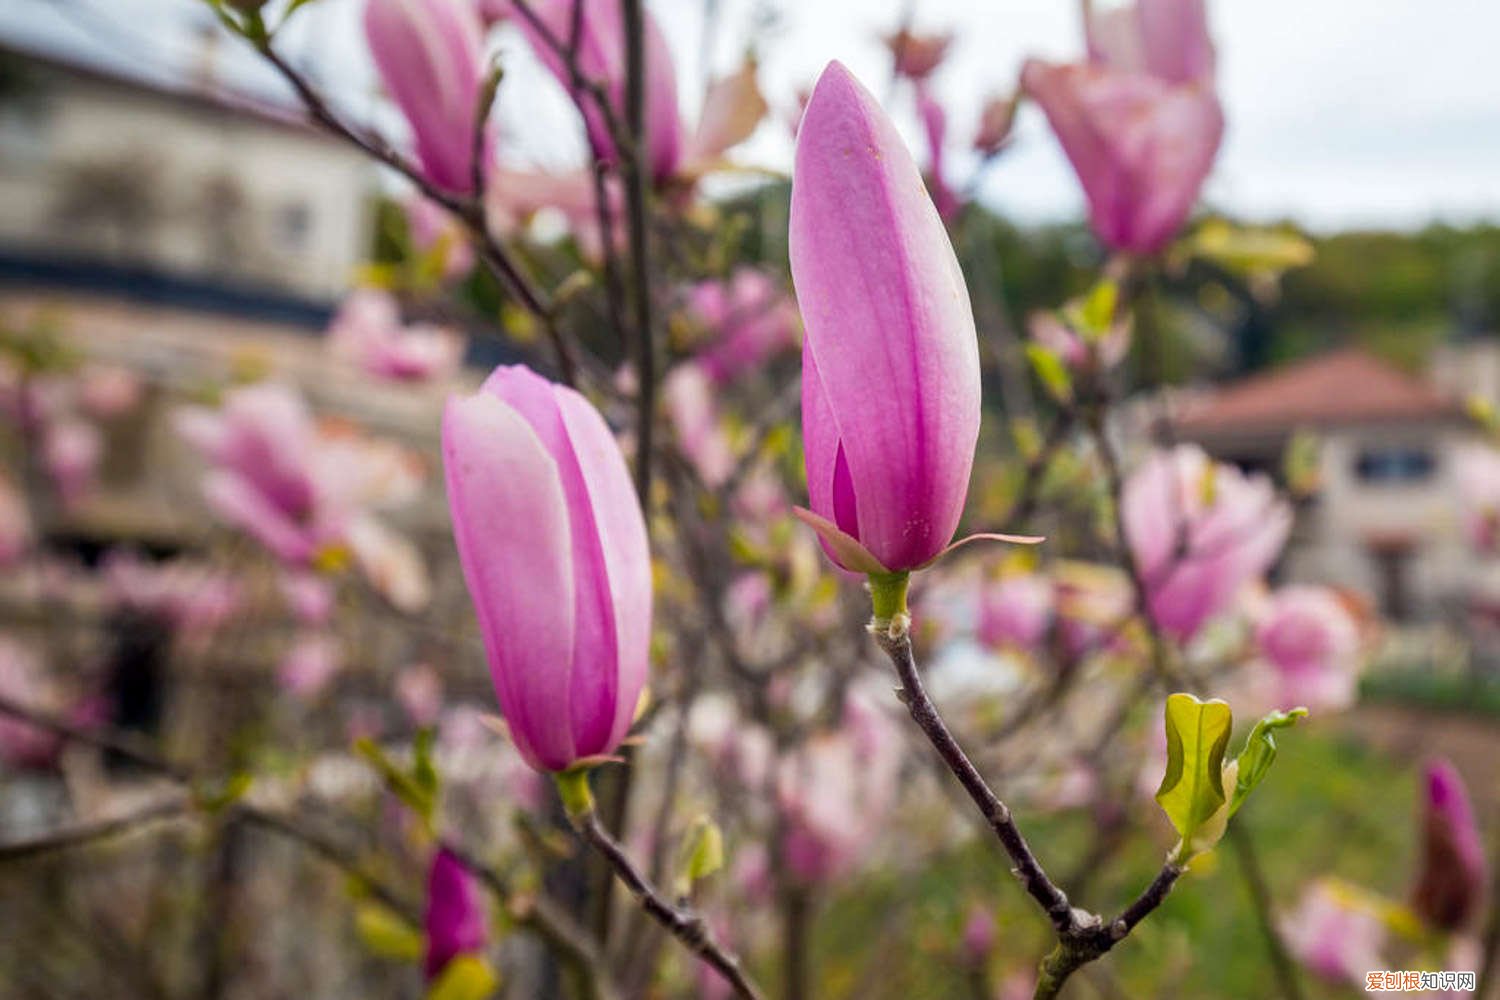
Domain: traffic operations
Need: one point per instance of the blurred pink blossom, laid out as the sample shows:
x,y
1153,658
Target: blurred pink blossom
x,y
1140,120
419,689
1311,645
1055,334
1337,931
750,317
106,392
934,119
916,56
1199,532
688,394
308,596
367,332
22,680
836,790
979,934
71,450
309,664
1477,472
1015,611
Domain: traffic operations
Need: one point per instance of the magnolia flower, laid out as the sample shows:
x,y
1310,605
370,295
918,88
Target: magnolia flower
x,y
23,680
1057,335
107,392
1139,120
890,384
309,664
192,596
517,197
917,56
308,596
689,398
430,54
367,332
750,318
979,934
1337,931
1310,642
996,120
553,547
263,450
836,790
1015,612
419,689
71,450
455,920
935,126
1199,531
1453,875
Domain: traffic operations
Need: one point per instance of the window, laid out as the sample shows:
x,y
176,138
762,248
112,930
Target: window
x,y
293,226
1395,464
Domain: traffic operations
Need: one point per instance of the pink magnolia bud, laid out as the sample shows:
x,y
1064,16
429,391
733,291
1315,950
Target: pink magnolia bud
x,y
1199,532
1139,121
1311,643
601,57
917,56
890,386
553,548
367,332
430,54
996,119
455,919
935,125
1453,875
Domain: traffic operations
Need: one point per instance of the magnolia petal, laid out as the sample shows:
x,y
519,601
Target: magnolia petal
x,y
845,548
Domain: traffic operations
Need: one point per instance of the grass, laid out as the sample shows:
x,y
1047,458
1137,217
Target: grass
x,y
1330,807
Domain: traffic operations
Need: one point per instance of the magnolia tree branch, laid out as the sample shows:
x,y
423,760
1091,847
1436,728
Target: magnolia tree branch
x,y
1240,838
681,921
1082,936
468,210
84,834
542,915
635,200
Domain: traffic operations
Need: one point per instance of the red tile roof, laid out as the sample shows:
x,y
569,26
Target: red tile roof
x,y
1341,387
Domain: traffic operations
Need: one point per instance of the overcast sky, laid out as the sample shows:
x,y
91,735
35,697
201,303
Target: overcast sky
x,y
1341,112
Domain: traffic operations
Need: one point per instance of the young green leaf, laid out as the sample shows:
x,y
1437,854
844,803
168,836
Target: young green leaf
x,y
1192,790
384,933
1098,310
1051,371
1260,750
413,791
466,977
701,855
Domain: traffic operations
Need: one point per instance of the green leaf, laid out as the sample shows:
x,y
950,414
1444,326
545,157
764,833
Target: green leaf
x,y
1192,790
384,933
424,770
214,800
1300,463
1051,371
1260,750
466,977
701,854
409,789
1251,249
1098,310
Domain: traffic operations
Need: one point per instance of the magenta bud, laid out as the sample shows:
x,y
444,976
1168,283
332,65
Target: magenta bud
x,y
890,386
553,548
1453,875
455,919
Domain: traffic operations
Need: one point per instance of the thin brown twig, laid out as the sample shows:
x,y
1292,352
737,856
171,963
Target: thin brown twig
x,y
84,834
682,922
1082,936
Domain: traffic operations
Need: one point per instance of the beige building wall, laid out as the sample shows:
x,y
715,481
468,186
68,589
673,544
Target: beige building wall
x,y
105,170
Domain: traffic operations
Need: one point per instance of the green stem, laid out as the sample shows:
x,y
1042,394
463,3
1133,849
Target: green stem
x,y
888,594
573,789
